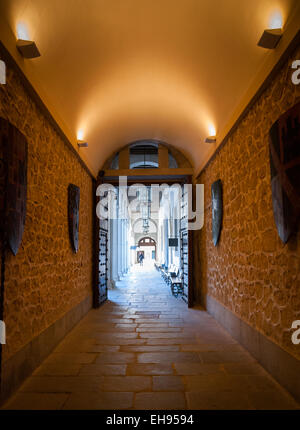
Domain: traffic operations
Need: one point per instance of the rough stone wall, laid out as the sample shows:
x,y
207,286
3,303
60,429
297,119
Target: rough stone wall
x,y
251,271
46,279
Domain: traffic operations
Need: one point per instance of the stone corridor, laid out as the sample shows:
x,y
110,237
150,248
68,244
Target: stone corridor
x,y
144,349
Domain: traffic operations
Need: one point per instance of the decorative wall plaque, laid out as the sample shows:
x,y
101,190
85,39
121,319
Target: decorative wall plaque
x,y
284,146
73,215
217,209
13,183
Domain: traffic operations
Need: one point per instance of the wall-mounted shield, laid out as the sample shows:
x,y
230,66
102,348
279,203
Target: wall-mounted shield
x,y
217,209
13,182
73,215
284,145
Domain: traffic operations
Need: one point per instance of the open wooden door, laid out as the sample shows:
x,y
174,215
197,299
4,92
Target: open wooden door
x,y
184,244
186,251
100,252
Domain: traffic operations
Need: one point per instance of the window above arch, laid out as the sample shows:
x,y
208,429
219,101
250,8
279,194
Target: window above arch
x,y
143,155
115,162
172,161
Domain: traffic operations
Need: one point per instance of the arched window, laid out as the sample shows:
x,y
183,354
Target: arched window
x,y
115,162
172,162
143,155
146,241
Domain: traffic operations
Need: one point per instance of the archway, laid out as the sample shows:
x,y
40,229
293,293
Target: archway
x,y
148,242
145,166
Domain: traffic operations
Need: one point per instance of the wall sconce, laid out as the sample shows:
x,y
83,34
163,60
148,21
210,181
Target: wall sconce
x,y
82,144
270,38
211,139
28,48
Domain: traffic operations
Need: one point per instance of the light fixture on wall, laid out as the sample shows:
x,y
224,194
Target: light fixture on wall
x,y
80,141
270,38
28,48
211,139
82,144
272,35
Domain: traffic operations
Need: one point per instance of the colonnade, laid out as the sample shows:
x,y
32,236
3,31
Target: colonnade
x,y
118,247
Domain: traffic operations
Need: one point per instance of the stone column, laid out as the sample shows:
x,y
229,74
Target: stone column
x,y
123,245
119,244
166,244
126,244
114,252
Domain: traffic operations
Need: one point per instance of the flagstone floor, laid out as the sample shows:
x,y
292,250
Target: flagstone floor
x,y
144,349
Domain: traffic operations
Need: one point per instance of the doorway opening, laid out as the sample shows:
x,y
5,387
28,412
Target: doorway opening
x,y
147,248
142,220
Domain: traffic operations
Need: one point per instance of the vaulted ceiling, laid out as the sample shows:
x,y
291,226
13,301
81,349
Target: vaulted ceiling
x,y
125,70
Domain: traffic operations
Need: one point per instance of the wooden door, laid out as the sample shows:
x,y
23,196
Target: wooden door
x,y
186,247
100,252
103,259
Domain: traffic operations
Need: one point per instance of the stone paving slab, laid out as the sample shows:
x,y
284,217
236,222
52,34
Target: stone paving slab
x,y
150,369
37,401
156,400
168,383
104,400
103,369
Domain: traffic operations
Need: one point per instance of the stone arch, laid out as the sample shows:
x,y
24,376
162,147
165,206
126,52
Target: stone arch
x,y
176,158
147,241
140,219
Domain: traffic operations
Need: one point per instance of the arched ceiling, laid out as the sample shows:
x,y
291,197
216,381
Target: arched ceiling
x,y
125,70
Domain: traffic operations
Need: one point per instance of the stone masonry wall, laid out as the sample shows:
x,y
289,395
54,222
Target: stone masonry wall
x,y
46,279
250,271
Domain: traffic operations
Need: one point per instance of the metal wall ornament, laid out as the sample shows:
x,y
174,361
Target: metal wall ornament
x,y
73,215
284,147
217,210
14,153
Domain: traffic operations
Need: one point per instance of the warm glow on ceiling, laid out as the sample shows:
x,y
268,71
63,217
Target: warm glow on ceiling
x,y
80,135
22,31
121,71
275,21
211,130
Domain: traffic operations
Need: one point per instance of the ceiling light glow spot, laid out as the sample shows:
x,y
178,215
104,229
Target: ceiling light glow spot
x,y
80,135
22,31
275,20
211,130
